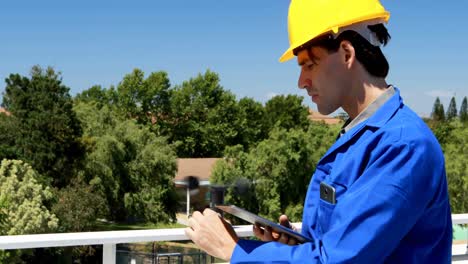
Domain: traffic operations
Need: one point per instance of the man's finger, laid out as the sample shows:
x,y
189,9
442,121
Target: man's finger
x,y
193,223
196,215
284,238
190,233
275,235
267,235
208,211
258,232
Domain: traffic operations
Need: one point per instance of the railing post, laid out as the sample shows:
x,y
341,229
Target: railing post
x,y
109,252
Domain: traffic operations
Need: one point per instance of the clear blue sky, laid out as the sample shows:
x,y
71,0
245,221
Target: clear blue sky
x,y
98,42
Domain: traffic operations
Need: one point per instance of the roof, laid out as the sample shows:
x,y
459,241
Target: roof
x,y
198,167
3,110
316,116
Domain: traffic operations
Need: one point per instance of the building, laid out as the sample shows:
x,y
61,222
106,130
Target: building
x,y
317,117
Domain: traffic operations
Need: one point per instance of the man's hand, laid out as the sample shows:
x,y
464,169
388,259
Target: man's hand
x,y
212,234
269,235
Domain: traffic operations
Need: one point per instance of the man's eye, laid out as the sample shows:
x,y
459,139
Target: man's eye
x,y
310,66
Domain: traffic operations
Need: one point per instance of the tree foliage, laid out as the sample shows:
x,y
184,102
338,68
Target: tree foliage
x,y
464,110
279,168
286,111
452,109
250,123
46,130
438,113
8,133
455,151
78,206
97,94
24,200
129,165
142,98
202,117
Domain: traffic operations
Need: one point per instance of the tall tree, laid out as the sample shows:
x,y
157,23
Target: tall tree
x,y
8,133
438,113
48,131
97,94
202,117
464,110
23,205
455,149
452,110
128,165
286,112
25,200
144,99
250,123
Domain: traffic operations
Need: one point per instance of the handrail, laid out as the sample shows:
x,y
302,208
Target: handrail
x,y
458,219
100,238
109,239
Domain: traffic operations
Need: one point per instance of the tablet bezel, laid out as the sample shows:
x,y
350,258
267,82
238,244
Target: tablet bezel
x,y
255,219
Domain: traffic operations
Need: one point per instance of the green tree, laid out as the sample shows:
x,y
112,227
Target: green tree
x,y
438,113
144,99
3,210
97,94
23,206
78,206
25,198
129,165
279,167
452,110
48,132
286,112
8,133
250,123
202,117
455,150
464,111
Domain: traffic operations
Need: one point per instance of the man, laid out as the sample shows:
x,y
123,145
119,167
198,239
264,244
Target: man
x,y
379,195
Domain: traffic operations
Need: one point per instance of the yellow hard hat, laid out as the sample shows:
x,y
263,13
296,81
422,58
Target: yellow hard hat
x,y
308,19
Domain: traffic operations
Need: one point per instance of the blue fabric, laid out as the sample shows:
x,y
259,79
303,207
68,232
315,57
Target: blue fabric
x,y
391,198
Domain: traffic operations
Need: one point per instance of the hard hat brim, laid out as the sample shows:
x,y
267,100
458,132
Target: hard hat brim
x,y
287,55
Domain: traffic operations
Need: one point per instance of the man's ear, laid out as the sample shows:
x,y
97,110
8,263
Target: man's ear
x,y
347,53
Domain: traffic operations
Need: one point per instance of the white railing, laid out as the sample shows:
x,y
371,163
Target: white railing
x,y
109,239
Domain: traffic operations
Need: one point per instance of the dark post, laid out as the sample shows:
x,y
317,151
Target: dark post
x,y
217,195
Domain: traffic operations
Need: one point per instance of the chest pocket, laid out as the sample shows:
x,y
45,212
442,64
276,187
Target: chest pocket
x,y
326,209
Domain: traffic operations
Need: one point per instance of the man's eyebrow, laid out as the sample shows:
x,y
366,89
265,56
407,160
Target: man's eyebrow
x,y
302,62
311,57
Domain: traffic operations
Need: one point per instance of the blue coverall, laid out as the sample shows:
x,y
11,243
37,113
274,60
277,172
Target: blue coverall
x,y
391,198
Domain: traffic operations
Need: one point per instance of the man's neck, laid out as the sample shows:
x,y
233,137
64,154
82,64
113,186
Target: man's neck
x,y
362,94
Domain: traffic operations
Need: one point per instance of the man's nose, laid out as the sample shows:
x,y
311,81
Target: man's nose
x,y
303,81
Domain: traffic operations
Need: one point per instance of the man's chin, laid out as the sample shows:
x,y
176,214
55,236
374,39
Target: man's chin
x,y
324,111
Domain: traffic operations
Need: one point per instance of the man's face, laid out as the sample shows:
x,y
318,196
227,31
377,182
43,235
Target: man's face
x,y
324,77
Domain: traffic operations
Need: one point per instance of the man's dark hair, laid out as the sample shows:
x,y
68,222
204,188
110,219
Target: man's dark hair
x,y
370,56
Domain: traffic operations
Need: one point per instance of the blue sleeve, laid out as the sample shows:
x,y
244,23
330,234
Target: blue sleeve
x,y
370,219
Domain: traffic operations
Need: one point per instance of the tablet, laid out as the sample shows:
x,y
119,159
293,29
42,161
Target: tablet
x,y
255,219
